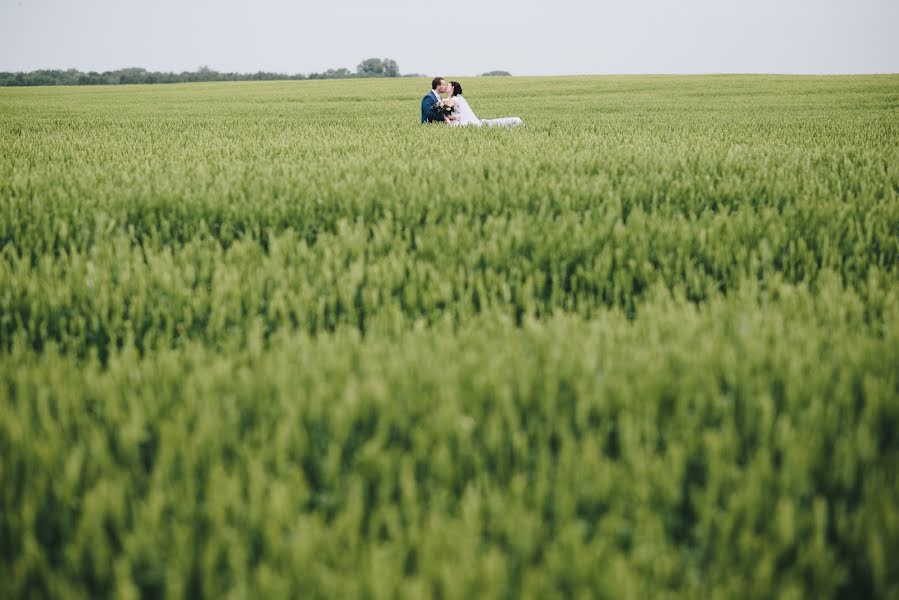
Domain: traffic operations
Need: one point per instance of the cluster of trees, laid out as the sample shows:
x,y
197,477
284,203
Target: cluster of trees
x,y
370,67
496,74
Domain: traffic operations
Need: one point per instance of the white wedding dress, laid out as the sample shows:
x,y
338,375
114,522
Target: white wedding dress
x,y
465,116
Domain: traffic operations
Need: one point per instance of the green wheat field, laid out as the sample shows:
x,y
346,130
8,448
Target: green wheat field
x,y
269,340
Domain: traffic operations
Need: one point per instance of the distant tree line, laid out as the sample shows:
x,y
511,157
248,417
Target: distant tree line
x,y
370,67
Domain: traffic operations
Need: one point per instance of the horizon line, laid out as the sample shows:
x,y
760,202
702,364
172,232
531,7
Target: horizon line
x,y
422,75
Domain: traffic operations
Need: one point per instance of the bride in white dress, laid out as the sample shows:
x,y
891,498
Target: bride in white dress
x,y
463,115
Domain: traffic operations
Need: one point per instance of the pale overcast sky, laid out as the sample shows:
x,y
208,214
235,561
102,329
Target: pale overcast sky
x,y
459,37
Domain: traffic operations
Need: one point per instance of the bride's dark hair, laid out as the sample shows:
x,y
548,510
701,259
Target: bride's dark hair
x,y
457,88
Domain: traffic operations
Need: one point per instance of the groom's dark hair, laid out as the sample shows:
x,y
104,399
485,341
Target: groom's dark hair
x,y
435,82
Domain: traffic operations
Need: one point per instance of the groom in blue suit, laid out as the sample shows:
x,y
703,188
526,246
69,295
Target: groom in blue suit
x,y
428,114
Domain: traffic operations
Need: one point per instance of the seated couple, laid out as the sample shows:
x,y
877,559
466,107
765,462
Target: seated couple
x,y
454,110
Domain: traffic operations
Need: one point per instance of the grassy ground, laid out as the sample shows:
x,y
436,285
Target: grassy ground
x,y
274,339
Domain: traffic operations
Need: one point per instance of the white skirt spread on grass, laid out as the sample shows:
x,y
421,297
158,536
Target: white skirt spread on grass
x,y
465,116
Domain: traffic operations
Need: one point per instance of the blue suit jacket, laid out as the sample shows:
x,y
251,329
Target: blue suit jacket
x,y
428,114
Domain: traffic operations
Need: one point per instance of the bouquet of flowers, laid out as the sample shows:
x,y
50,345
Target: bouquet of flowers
x,y
445,107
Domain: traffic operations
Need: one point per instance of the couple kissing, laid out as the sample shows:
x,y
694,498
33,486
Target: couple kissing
x,y
454,110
